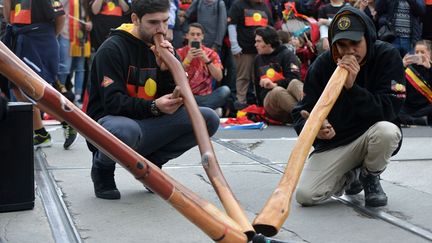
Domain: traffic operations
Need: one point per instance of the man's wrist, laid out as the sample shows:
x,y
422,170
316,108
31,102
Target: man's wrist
x,y
154,109
209,62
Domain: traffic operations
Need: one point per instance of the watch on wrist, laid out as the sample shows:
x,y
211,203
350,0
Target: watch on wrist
x,y
154,109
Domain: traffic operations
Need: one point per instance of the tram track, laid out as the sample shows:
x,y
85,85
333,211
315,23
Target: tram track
x,y
60,221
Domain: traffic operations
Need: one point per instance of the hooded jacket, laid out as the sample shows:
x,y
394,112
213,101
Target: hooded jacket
x,y
125,77
377,94
282,62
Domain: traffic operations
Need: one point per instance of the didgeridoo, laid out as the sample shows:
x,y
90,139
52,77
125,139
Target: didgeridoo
x,y
273,215
207,217
208,157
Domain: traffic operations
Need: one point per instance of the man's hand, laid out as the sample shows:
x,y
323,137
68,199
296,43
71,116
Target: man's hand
x,y
164,44
349,62
167,104
267,83
326,131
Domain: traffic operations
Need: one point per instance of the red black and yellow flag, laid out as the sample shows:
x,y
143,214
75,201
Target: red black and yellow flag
x,y
255,18
428,2
272,72
78,36
20,12
111,7
141,83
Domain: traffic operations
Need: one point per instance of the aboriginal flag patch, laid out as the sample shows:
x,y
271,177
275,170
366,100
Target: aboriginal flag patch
x,y
106,82
255,18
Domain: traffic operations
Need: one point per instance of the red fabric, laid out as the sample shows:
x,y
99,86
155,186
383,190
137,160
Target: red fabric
x,y
240,120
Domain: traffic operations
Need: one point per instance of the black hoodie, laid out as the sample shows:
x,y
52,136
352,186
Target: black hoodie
x,y
125,77
377,94
283,61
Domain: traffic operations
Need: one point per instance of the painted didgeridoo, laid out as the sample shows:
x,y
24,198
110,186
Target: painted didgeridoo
x,y
273,215
208,157
207,217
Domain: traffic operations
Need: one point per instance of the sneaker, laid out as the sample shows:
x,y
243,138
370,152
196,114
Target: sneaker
x,y
71,136
40,141
354,185
374,194
104,184
219,112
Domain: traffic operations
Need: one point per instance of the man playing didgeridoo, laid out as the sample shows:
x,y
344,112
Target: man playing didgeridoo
x,y
358,137
131,96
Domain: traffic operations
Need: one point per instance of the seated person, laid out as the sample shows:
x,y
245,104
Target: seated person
x,y
277,74
203,65
417,109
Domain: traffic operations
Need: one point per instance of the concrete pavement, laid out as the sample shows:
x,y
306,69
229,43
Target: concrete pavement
x,y
251,162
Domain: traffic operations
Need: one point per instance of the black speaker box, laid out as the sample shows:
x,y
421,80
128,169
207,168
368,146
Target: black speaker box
x,y
17,158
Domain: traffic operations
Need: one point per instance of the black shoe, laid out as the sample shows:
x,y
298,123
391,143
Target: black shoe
x,y
104,184
70,135
354,186
374,194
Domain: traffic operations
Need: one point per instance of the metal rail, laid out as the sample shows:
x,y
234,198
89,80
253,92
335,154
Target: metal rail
x,y
61,224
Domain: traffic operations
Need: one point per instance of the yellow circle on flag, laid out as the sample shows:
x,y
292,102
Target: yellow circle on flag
x,y
111,6
17,9
257,17
150,87
270,73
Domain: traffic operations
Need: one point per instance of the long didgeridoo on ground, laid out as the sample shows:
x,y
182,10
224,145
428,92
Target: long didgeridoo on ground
x,y
208,157
207,217
273,215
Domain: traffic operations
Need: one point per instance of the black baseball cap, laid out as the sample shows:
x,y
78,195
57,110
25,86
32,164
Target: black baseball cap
x,y
348,26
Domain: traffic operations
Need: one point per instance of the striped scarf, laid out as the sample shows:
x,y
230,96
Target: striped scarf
x,y
418,82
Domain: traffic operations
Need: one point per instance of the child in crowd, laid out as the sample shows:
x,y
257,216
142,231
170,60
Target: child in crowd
x,y
305,51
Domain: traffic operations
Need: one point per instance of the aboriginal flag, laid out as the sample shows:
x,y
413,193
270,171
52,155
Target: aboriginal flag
x,y
78,36
141,83
255,18
111,7
20,12
428,2
272,72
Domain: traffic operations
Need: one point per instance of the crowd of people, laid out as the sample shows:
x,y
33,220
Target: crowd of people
x,y
277,54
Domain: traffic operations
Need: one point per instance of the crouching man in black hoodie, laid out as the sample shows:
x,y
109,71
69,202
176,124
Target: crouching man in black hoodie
x,y
358,137
131,96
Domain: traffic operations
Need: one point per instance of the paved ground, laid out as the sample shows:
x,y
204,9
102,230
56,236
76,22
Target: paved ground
x,y
251,162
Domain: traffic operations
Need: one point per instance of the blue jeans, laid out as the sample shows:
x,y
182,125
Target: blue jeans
x,y
69,65
65,59
214,100
403,45
77,66
158,139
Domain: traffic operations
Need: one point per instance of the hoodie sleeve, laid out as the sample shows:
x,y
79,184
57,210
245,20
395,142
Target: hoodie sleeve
x,y
111,75
384,100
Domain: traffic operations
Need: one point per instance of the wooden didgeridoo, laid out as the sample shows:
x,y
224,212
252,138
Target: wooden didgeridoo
x,y
207,217
273,215
208,158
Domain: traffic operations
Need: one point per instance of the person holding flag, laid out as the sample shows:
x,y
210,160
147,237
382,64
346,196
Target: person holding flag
x,y
277,74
